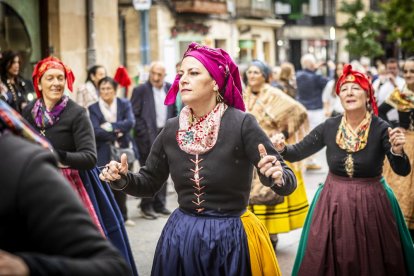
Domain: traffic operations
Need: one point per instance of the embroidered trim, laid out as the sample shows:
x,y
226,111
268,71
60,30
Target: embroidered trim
x,y
197,186
199,136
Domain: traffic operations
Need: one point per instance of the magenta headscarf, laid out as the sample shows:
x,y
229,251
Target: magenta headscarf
x,y
221,68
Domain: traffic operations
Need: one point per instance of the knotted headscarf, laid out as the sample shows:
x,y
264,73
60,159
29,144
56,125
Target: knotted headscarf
x,y
51,63
264,69
350,75
221,68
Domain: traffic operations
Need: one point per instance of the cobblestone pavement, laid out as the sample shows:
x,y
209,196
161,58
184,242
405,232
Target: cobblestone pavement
x,y
144,235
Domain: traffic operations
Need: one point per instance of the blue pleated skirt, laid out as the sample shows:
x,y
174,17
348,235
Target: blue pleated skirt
x,y
108,213
202,245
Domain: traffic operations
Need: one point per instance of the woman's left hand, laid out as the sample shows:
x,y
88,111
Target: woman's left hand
x,y
270,166
397,140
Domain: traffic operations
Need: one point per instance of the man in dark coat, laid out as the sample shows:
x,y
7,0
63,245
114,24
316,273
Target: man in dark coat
x,y
150,117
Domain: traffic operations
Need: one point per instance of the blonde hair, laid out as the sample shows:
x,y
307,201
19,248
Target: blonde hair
x,y
286,71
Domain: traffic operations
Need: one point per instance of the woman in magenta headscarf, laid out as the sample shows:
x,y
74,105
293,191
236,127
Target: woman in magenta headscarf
x,y
209,150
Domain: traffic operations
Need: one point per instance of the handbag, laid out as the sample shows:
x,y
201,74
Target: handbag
x,y
116,153
263,195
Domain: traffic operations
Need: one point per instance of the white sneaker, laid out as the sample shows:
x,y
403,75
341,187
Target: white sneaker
x,y
129,222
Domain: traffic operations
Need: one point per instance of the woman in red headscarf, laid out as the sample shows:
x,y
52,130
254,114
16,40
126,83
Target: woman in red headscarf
x,y
210,150
354,225
68,128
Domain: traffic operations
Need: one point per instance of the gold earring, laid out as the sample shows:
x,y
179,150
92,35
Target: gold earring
x,y
216,88
219,97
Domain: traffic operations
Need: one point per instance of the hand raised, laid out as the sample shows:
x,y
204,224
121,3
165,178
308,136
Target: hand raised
x,y
112,171
270,166
397,140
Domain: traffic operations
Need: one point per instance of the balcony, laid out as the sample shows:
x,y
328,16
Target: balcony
x,y
255,9
200,6
306,20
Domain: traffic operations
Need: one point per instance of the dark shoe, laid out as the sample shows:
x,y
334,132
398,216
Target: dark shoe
x,y
148,214
274,239
163,212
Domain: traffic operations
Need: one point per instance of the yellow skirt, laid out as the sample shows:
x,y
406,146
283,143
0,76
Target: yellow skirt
x,y
290,214
262,255
403,186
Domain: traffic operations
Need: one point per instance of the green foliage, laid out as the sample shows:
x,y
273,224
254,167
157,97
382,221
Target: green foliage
x,y
362,30
400,22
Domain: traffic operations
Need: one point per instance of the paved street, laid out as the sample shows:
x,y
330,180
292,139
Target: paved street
x,y
144,235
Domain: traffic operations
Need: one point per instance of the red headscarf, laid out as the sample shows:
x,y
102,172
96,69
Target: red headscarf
x,y
51,63
221,68
122,77
350,75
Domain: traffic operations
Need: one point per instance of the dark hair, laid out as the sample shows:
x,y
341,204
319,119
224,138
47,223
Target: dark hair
x,y
6,61
92,71
391,60
109,80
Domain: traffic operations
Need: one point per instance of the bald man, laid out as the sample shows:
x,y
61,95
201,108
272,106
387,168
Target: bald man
x,y
150,117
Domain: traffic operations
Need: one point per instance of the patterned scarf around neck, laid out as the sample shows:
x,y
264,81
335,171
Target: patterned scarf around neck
x,y
199,136
352,140
44,118
13,122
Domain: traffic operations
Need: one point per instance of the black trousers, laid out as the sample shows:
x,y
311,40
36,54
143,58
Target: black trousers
x,y
159,200
120,198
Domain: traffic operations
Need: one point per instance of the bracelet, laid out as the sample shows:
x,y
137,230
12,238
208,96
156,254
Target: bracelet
x,y
397,154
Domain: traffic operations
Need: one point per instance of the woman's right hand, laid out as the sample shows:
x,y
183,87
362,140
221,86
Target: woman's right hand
x,y
113,170
278,141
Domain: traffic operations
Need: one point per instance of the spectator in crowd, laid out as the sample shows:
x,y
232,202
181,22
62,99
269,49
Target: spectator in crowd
x,y
393,81
331,103
150,117
88,93
309,93
112,120
17,87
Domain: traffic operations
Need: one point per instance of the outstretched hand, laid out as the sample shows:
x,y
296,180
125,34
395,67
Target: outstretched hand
x,y
397,140
113,169
270,166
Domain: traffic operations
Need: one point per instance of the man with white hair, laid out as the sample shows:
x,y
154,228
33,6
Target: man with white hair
x,y
310,86
150,117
